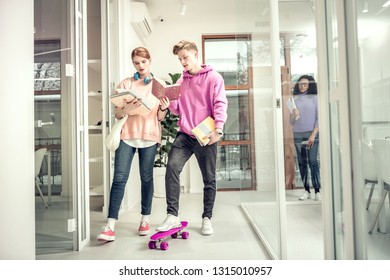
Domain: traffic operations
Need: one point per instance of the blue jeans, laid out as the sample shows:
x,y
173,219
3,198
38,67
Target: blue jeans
x,y
182,149
308,157
123,158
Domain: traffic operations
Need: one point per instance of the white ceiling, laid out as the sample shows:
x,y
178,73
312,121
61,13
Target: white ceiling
x,y
290,11
295,15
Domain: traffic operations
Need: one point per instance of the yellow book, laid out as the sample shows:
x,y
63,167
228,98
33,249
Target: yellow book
x,y
203,129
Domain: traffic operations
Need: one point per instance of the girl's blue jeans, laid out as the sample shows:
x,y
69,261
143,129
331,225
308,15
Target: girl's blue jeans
x,y
123,158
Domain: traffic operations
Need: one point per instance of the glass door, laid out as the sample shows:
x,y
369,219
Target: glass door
x,y
58,89
264,201
53,52
340,192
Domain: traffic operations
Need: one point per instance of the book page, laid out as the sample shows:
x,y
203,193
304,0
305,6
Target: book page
x,y
160,89
127,94
120,94
290,103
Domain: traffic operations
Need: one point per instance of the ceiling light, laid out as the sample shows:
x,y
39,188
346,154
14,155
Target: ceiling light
x,y
183,9
365,7
386,4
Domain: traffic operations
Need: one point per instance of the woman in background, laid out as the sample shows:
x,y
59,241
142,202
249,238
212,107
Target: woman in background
x,y
304,120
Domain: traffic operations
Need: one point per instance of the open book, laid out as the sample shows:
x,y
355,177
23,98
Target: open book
x,y
203,129
120,94
160,89
291,105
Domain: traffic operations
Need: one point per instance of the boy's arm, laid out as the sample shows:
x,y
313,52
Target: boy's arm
x,y
220,103
174,105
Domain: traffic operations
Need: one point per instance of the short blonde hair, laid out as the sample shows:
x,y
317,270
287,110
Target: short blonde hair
x,y
184,45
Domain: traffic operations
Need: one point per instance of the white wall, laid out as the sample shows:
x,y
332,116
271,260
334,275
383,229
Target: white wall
x,y
17,199
376,76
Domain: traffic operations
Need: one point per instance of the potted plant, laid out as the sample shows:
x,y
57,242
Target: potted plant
x,y
168,133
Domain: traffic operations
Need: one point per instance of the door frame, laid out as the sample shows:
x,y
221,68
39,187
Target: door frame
x,y
335,91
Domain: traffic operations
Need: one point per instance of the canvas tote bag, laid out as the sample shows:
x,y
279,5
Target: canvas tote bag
x,y
114,137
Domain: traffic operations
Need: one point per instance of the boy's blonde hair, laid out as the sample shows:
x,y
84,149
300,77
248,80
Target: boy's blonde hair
x,y
184,45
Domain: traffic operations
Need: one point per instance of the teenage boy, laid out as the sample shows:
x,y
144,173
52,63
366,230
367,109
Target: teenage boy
x,y
202,95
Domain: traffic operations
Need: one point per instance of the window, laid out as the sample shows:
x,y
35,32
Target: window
x,y
230,56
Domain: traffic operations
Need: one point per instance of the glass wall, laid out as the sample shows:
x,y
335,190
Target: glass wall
x,y
262,205
299,57
247,154
358,87
370,84
275,209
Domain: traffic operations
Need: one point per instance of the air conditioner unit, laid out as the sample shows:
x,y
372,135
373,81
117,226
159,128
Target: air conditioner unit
x,y
140,19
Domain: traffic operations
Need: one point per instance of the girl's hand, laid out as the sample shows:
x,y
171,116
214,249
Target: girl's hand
x,y
296,113
310,141
164,103
131,105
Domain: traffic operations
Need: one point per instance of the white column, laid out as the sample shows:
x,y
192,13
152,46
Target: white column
x,y
17,126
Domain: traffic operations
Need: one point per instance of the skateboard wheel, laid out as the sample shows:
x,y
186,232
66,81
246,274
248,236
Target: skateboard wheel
x,y
152,245
185,235
174,235
164,245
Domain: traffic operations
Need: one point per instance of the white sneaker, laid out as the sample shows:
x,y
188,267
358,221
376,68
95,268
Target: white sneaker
x,y
306,195
207,228
318,196
170,222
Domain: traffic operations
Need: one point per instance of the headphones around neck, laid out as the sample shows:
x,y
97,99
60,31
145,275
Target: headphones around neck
x,y
147,80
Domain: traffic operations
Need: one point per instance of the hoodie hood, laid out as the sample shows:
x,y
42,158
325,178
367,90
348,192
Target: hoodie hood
x,y
204,70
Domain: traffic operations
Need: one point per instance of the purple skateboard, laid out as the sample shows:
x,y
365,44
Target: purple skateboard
x,y
158,237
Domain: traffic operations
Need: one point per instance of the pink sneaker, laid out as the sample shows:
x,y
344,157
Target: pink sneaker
x,y
106,235
143,228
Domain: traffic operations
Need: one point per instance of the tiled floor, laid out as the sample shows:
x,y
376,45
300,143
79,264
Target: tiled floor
x,y
233,239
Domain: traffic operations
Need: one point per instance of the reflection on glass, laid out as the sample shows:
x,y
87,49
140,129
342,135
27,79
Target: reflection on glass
x,y
237,124
47,88
47,66
230,58
234,166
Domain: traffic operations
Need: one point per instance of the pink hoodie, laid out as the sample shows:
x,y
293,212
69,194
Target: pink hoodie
x,y
202,95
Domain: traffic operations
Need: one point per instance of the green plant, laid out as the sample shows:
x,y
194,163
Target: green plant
x,y
168,131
